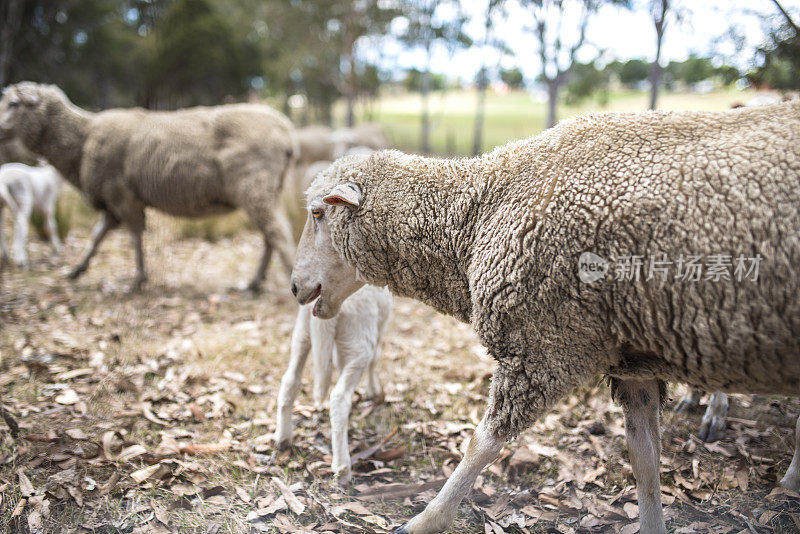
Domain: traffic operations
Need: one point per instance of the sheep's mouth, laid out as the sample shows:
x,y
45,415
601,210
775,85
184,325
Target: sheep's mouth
x,y
314,294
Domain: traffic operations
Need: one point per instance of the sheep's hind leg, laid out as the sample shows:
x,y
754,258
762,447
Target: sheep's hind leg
x,y
713,426
290,383
107,222
791,480
640,400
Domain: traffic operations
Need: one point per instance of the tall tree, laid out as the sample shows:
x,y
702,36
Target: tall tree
x,y
482,81
11,21
552,27
426,31
659,9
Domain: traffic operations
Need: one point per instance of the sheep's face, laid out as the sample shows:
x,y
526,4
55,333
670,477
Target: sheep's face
x,y
15,106
319,272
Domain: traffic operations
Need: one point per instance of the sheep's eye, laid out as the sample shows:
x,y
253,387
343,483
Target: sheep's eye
x,y
13,104
316,213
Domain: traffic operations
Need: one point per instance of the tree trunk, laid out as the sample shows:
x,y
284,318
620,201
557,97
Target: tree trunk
x,y
9,30
552,101
425,89
655,71
480,112
352,82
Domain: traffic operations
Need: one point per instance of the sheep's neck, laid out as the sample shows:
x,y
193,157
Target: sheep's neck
x,y
62,138
428,256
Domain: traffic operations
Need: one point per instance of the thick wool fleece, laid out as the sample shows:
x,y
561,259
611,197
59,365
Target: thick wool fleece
x,y
192,162
495,240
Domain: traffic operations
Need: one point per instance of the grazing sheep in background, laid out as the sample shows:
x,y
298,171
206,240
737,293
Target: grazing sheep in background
x,y
351,342
498,241
23,189
190,163
712,427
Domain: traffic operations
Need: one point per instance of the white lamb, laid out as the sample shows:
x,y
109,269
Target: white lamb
x,y
351,342
23,189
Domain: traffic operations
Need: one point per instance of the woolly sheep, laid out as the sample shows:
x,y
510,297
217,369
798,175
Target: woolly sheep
x,y
351,342
24,189
496,241
191,163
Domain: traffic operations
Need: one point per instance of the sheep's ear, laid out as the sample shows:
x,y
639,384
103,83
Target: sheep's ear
x,y
27,97
348,194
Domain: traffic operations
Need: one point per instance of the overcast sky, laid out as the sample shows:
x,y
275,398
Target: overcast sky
x,y
622,34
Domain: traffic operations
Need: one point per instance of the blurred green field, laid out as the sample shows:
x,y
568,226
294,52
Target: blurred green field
x,y
512,116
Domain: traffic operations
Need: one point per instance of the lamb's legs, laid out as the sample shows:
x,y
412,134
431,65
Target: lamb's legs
x,y
5,254
322,354
374,387
21,236
290,384
641,405
791,479
440,512
690,401
713,426
341,403
52,228
107,222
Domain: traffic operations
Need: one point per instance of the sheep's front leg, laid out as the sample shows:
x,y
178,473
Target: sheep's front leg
x,y
261,271
341,403
290,384
791,479
483,448
141,275
641,404
713,426
107,222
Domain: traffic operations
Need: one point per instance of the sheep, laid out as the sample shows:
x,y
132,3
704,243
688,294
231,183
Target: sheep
x,y
191,163
23,189
712,426
350,341
536,245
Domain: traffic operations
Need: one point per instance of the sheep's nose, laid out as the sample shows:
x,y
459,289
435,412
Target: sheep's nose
x,y
294,289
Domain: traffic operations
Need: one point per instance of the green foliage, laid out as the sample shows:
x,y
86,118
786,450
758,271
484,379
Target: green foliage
x,y
585,80
633,71
198,58
413,81
693,70
512,77
779,60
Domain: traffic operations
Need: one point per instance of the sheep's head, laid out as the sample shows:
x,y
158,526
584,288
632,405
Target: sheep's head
x,y
320,272
19,107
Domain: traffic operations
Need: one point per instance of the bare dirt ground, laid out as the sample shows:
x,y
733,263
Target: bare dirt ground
x,y
152,413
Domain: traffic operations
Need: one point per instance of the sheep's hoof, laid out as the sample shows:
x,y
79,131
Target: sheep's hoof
x,y
790,483
137,284
401,530
254,288
712,430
